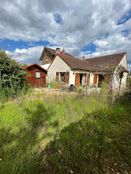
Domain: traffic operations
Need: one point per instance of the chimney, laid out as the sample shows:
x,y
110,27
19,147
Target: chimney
x,y
57,50
83,57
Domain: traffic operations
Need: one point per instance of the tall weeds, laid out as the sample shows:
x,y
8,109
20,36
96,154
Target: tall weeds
x,y
42,133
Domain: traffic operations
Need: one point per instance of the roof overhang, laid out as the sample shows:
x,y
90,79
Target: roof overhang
x,y
35,65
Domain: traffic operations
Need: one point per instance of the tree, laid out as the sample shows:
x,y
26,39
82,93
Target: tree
x,y
11,74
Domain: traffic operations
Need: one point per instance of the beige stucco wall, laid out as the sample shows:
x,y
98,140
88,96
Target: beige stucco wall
x,y
71,77
116,80
58,65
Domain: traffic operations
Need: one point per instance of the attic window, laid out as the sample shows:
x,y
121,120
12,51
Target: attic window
x,y
37,75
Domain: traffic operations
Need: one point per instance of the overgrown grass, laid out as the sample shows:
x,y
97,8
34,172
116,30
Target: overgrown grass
x,y
66,134
99,143
7,93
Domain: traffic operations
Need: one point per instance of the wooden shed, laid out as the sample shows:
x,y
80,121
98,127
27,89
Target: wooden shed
x,y
36,75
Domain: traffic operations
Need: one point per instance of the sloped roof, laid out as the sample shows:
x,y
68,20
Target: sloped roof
x,y
74,63
105,63
100,64
34,65
51,52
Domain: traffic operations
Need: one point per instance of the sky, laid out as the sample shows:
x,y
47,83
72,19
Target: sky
x,y
81,27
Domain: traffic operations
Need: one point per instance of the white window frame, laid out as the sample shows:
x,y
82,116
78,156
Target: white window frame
x,y
37,75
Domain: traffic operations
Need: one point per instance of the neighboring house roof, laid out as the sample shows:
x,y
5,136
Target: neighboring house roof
x,y
105,63
50,52
100,64
34,65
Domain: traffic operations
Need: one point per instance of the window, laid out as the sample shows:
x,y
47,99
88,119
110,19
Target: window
x,y
37,75
62,77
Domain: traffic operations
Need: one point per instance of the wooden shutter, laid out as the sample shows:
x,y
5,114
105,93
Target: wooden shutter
x,y
88,79
95,79
67,77
77,79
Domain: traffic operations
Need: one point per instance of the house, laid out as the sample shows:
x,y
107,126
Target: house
x,y
36,75
89,72
47,56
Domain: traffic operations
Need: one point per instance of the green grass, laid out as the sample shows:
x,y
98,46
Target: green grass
x,y
66,134
99,143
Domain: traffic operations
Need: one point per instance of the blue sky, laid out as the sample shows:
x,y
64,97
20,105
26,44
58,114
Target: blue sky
x,y
125,17
11,45
82,27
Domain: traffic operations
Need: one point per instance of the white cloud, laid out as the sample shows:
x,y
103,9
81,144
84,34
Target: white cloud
x,y
83,22
28,56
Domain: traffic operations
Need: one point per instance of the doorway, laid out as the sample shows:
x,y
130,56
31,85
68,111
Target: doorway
x,y
101,79
80,79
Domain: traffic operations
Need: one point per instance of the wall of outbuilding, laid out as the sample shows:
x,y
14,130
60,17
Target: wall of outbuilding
x,y
31,77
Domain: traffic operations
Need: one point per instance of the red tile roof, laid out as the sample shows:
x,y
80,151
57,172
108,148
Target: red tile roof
x,y
105,63
102,63
74,63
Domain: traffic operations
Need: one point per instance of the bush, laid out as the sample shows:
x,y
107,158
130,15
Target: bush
x,y
12,77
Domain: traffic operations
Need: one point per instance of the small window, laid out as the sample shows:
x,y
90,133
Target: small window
x,y
37,75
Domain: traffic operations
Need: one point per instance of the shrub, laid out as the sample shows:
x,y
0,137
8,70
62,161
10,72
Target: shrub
x,y
12,77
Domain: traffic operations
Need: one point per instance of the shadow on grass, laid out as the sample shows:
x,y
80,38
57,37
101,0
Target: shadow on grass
x,y
19,153
98,144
